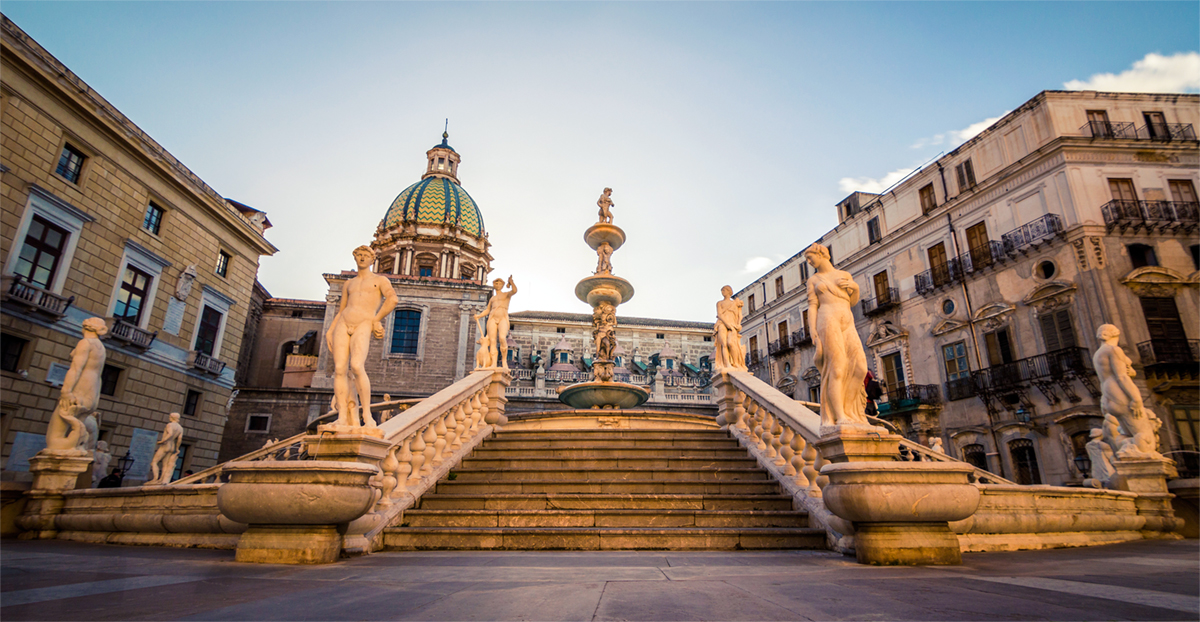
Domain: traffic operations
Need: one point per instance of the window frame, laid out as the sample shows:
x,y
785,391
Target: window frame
x,y
927,206
210,297
69,146
110,378
195,407
250,417
874,231
224,261
21,360
55,210
964,372
965,175
152,206
423,331
147,261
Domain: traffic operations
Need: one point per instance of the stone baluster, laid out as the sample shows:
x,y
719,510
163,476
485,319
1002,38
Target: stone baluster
x,y
756,428
455,434
418,457
483,408
739,408
797,445
430,438
390,467
810,469
768,425
822,480
783,441
440,442
405,457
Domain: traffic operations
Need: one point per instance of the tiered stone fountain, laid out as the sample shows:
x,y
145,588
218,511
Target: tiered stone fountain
x,y
604,292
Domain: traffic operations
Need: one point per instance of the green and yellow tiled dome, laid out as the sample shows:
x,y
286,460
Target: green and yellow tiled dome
x,y
435,200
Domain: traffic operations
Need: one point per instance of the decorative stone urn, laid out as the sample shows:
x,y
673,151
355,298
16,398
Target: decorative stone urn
x,y
294,508
901,510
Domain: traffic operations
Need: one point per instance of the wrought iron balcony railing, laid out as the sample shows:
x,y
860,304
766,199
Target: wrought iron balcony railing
x,y
46,302
1127,131
207,364
1033,233
960,389
1169,351
886,300
801,338
959,268
1151,215
1108,129
1051,365
129,333
754,361
781,346
910,396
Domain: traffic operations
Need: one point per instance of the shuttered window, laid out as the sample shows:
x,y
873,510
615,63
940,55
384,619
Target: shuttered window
x,y
1058,332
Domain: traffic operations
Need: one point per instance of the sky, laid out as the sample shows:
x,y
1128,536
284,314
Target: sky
x,y
728,131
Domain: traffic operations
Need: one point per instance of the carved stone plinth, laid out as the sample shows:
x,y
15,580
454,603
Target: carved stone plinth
x,y
1148,478
901,510
364,448
316,544
54,472
857,443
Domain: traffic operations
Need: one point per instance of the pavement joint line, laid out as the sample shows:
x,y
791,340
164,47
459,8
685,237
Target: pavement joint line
x,y
596,611
1136,596
91,588
1150,561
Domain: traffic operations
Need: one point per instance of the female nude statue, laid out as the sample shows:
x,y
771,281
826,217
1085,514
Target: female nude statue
x,y
80,393
839,355
1121,398
727,333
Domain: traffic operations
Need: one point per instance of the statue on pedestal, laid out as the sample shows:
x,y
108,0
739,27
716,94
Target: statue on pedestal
x,y
605,203
495,337
839,351
166,453
1122,399
100,461
366,300
68,429
1101,456
727,333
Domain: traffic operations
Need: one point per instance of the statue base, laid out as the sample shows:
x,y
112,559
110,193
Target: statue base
x,y
54,472
367,448
857,443
1149,478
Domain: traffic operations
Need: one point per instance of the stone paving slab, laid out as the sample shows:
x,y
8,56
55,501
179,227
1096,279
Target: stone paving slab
x,y
1148,580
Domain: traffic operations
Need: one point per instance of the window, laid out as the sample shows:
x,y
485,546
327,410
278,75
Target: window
x,y
1057,330
814,394
1163,322
778,286
40,256
999,347
132,295
425,271
658,336
783,332
209,329
750,302
191,404
708,338
560,330
258,424
893,372
1182,190
753,348
562,357
975,456
939,267
803,272
883,293
1195,249
928,199
948,307
1122,189
1098,123
406,331
1142,255
153,220
1025,462
955,358
966,175
1187,424
978,243
873,230
70,164
1046,270
185,451
223,264
108,380
829,247
11,349
1156,125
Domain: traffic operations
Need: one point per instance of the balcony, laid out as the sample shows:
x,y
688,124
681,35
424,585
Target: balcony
x,y
910,397
1151,215
960,268
130,334
1170,357
801,338
207,364
1051,373
887,300
960,389
754,361
780,347
1033,234
1127,131
19,292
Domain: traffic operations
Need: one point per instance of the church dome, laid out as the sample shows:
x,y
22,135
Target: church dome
x,y
436,200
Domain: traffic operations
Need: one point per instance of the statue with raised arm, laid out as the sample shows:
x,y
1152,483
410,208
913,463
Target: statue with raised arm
x,y
839,351
166,453
80,394
605,203
604,252
727,333
496,334
366,300
1121,398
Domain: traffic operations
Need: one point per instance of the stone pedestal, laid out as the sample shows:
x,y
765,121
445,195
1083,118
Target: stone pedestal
x,y
295,509
1148,478
857,443
901,510
364,448
54,472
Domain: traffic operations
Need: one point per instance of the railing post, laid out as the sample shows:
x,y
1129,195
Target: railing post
x,y
495,397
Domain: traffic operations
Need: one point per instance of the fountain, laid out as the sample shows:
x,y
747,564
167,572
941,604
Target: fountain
x,y
604,292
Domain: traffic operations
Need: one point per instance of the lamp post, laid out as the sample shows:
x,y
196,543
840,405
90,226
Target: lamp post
x,y
124,463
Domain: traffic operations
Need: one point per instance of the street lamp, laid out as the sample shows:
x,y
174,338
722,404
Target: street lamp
x,y
124,463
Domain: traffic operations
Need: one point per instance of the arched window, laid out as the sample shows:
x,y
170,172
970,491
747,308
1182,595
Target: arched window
x,y
975,456
1025,463
406,331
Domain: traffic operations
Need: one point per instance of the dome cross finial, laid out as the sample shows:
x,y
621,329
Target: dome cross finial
x,y
446,132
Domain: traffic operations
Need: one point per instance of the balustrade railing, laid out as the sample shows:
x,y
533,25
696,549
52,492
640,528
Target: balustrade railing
x,y
1169,351
960,388
1150,214
131,334
1108,129
1045,227
962,267
801,338
568,376
885,300
780,346
523,374
206,363
1127,131
1050,365
909,396
20,291
301,361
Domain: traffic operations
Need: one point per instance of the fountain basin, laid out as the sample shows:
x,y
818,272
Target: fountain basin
x,y
604,288
602,232
603,395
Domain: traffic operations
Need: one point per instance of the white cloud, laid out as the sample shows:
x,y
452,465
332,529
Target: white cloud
x,y
957,137
759,264
867,184
1153,74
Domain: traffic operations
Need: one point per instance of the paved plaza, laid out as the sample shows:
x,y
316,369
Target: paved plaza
x,y
1147,580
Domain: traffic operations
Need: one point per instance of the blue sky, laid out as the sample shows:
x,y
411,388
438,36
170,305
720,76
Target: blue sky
x,y
728,131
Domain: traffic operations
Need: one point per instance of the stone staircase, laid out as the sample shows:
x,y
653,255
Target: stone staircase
x,y
606,489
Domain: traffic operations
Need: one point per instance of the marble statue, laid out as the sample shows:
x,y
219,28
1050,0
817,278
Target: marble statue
x,y
366,300
935,443
839,351
183,287
100,461
484,356
604,330
605,203
80,394
1112,434
496,311
1101,456
727,333
1121,398
604,252
166,453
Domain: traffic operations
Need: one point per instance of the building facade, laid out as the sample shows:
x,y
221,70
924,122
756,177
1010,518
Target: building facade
x,y
985,275
99,220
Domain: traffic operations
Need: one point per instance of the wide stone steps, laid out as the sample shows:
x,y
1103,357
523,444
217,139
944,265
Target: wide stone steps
x,y
605,489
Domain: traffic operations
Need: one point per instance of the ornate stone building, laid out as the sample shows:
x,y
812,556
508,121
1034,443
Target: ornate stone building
x,y
100,220
985,274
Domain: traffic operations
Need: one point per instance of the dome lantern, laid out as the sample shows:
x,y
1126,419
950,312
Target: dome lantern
x,y
443,161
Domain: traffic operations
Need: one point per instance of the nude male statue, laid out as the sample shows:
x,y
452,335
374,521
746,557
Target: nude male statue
x,y
162,465
366,300
604,252
727,332
80,393
497,322
605,202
